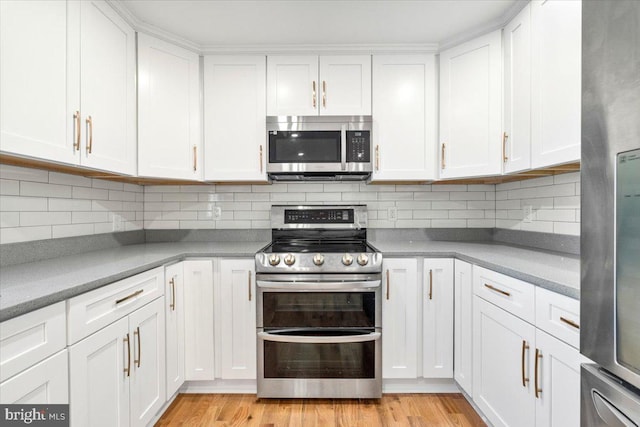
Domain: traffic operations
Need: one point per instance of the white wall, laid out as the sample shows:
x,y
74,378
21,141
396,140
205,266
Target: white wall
x,y
36,204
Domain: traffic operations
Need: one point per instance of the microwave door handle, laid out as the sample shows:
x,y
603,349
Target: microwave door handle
x,y
318,286
266,336
343,146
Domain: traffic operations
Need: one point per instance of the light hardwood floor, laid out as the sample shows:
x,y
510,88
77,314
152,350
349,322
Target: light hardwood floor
x,y
391,410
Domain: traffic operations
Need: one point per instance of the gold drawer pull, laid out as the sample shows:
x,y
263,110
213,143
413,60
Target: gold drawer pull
x,y
133,295
387,284
76,117
442,162
504,147
249,284
90,134
127,370
569,322
500,291
137,361
525,347
172,282
430,284
537,389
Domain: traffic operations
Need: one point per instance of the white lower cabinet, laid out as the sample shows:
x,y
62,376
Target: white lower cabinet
x,y
400,318
174,325
236,314
198,319
463,326
437,318
45,382
117,375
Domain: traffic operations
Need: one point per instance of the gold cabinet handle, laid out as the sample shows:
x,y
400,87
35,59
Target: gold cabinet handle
x,y
569,322
430,284
443,164
76,119
89,134
314,94
537,390
137,361
249,284
388,284
127,370
500,291
128,297
195,158
260,158
377,157
504,147
172,282
324,93
525,347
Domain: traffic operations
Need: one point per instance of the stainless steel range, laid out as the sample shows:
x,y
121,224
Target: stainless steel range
x,y
319,325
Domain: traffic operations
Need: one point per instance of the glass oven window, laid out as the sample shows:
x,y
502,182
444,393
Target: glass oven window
x,y
305,147
327,360
627,256
319,309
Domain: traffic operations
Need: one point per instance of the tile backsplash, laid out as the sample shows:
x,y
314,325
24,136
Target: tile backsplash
x,y
36,204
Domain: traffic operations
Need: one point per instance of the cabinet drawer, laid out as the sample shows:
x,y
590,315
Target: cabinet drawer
x,y
46,382
96,309
30,338
558,315
513,295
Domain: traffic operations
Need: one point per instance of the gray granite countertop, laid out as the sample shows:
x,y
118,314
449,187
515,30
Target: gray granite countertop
x,y
27,287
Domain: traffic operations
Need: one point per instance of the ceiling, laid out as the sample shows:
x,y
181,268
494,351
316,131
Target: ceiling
x,y
211,23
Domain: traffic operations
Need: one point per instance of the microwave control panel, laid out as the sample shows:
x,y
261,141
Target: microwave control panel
x,y
358,146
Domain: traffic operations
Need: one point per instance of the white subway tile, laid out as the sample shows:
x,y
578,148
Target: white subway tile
x,y
180,215
66,179
234,206
507,204
132,206
255,215
196,189
108,185
570,228
481,204
490,195
482,187
541,203
517,214
151,215
38,189
379,205
577,188
88,217
161,206
476,214
382,223
383,188
448,223
324,197
260,224
224,197
260,206
23,174
103,227
106,205
44,218
9,219
414,223
428,214
359,197
161,225
24,234
567,202
342,187
296,187
566,178
9,187
69,205
540,226
502,214
123,196
90,193
467,195
420,188
152,197
537,182
251,197
185,225
508,186
233,188
395,196
196,206
431,196
233,224
133,188
502,195
456,204
161,189
481,223
547,191
140,197
405,214
415,204
562,215
58,231
179,197
509,224
448,187
273,188
18,203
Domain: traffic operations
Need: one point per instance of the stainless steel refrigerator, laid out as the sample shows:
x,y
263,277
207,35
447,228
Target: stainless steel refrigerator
x,y
610,239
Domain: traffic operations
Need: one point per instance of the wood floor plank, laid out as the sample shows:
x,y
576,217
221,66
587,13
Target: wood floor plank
x,y
227,410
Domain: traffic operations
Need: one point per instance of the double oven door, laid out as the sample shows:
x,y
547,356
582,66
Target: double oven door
x,y
319,336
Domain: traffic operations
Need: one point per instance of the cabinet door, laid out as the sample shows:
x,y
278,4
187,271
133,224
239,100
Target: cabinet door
x,y
237,308
556,81
502,366
169,136
174,321
292,85
517,93
39,78
100,368
400,318
437,318
463,326
148,387
234,128
345,85
404,112
45,382
198,320
470,105
107,85
558,382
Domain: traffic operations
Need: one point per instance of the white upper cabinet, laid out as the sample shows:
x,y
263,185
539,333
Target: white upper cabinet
x,y
39,74
556,81
169,136
234,118
107,87
72,98
404,117
516,140
308,85
470,108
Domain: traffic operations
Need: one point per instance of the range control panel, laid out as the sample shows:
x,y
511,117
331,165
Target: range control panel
x,y
358,146
318,216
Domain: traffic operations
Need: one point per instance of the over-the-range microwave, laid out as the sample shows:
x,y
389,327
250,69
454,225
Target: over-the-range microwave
x,y
319,147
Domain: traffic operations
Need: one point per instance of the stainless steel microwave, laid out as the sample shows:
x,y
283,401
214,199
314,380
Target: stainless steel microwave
x,y
319,147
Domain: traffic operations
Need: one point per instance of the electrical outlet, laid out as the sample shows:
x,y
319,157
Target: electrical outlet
x,y
217,213
527,213
392,214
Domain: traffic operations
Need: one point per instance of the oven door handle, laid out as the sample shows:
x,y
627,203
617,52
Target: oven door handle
x,y
318,286
266,336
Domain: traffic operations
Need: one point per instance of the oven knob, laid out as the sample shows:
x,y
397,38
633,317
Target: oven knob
x,y
363,259
274,260
347,259
318,259
289,259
